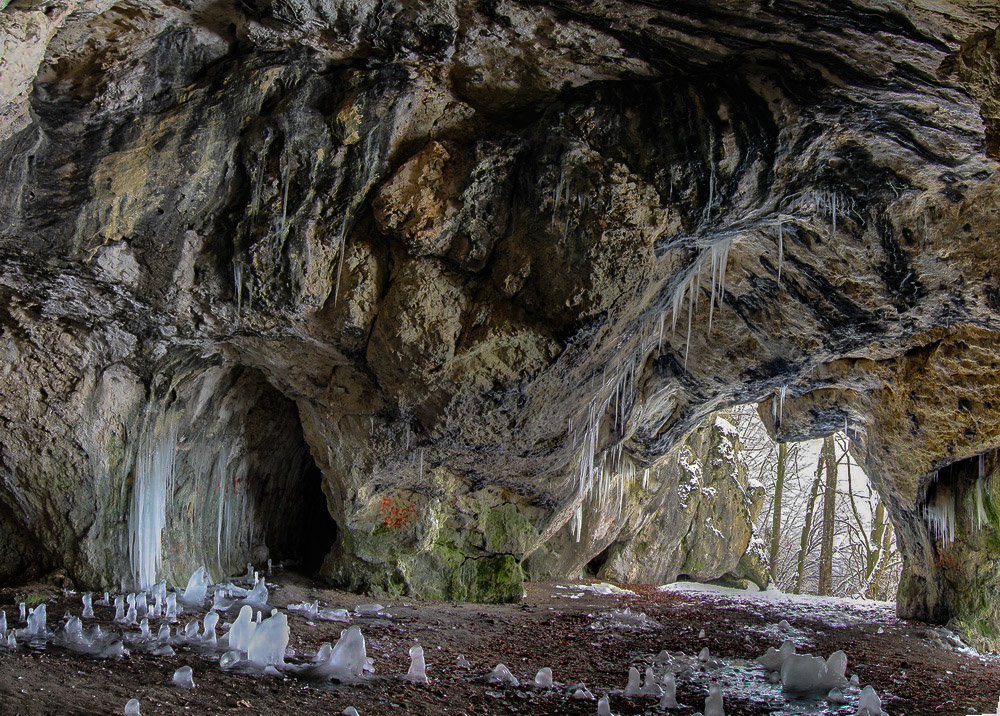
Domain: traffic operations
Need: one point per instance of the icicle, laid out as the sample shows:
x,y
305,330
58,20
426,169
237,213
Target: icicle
x,y
781,404
284,196
834,211
151,492
781,248
340,259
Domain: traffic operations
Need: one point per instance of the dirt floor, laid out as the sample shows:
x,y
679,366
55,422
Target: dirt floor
x,y
585,639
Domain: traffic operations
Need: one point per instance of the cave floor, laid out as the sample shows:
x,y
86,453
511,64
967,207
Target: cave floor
x,y
583,639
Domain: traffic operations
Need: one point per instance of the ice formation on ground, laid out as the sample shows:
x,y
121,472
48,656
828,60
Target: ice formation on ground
x,y
269,641
669,700
171,615
836,697
197,588
603,706
346,660
633,688
418,669
369,610
713,702
242,630
184,677
581,693
312,610
704,655
805,675
774,658
208,636
543,679
229,660
869,703
701,634
350,711
132,708
501,675
624,619
21,606
258,595
88,609
651,687
36,621
463,662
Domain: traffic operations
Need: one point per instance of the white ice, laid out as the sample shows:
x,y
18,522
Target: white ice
x,y
543,679
3,622
806,675
184,677
713,702
229,660
367,610
603,706
774,658
197,588
258,595
869,703
171,608
269,641
582,693
36,621
418,669
132,708
501,675
242,629
633,688
463,662
347,659
88,609
208,636
651,688
350,710
836,697
669,700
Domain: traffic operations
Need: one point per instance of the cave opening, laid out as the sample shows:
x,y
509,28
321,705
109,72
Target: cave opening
x,y
319,531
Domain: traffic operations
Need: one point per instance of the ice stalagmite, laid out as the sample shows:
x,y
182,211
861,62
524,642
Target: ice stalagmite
x,y
836,697
144,632
36,621
163,635
3,622
242,629
463,662
633,688
269,641
651,688
347,659
669,700
350,711
603,706
197,588
229,660
132,708
258,595
88,609
806,675
501,675
418,669
869,704
774,658
713,702
543,679
208,636
184,677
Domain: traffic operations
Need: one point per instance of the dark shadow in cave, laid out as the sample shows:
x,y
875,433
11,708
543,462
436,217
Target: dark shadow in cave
x,y
319,530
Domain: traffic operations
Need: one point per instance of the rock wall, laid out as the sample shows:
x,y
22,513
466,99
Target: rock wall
x,y
496,254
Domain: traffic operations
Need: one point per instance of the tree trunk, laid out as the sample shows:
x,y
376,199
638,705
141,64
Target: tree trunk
x,y
829,459
806,529
779,486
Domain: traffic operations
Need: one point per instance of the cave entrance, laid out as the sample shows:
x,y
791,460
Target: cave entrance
x,y
319,530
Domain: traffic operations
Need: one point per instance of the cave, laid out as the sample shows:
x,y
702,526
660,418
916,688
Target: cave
x,y
438,299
